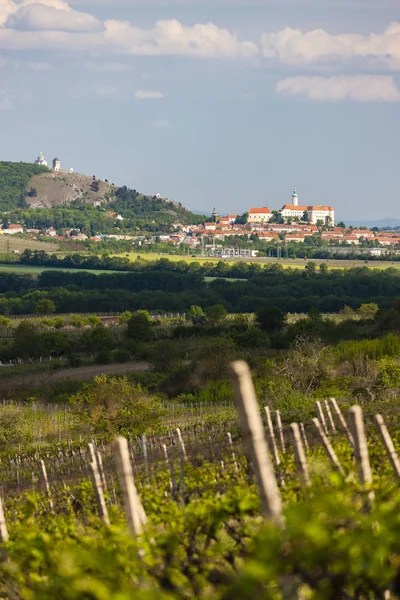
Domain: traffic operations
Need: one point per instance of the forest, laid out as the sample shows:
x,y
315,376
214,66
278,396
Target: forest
x,y
14,178
175,286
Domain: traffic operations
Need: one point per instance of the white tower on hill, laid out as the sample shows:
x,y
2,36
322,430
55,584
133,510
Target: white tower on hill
x,y
56,164
295,198
41,160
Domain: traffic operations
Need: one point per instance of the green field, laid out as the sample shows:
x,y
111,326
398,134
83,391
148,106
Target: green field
x,y
34,270
298,263
8,243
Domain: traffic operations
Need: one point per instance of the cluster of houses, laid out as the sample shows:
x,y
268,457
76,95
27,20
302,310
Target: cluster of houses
x,y
292,223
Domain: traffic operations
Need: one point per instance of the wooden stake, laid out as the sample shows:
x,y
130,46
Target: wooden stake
x,y
360,447
280,430
300,454
98,491
271,433
3,525
101,471
388,443
181,444
321,416
304,437
233,454
165,452
254,436
135,514
172,473
331,422
146,458
342,421
46,482
328,447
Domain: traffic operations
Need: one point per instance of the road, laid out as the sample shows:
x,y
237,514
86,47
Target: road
x,y
81,373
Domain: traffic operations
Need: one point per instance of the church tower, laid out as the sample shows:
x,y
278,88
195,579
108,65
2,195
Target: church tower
x,y
295,198
215,215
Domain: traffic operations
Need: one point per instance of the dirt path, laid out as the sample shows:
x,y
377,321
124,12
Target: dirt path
x,y
79,373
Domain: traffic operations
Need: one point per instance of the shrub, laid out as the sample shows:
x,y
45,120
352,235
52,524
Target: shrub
x,y
116,406
13,427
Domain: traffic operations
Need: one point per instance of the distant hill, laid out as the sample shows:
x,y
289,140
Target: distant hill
x,y
28,186
388,222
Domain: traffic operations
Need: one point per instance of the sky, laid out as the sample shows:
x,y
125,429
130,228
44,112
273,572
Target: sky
x,y
225,102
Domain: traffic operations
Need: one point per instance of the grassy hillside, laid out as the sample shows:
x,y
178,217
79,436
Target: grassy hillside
x,y
14,180
70,200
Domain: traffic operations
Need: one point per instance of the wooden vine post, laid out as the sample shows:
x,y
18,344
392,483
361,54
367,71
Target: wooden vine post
x,y
254,437
388,443
3,525
321,416
98,491
342,421
331,422
271,433
360,447
304,437
46,482
328,447
280,431
135,514
299,454
229,435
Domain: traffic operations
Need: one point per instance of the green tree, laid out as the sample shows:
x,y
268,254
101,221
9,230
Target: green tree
x,y
139,326
216,313
311,267
77,321
4,321
323,268
124,317
45,307
194,311
271,319
368,311
27,341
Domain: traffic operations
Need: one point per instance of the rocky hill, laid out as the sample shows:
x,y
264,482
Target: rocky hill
x,y
62,187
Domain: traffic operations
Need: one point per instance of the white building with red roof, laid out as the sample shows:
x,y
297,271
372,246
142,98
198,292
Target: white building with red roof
x,y
259,215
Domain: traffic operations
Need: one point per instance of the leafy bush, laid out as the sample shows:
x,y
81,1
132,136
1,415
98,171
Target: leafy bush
x,y
115,406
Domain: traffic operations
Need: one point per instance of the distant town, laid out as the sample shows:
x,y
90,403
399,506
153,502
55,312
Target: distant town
x,y
295,223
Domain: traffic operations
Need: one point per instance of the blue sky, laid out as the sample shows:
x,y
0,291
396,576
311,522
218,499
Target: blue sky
x,y
225,101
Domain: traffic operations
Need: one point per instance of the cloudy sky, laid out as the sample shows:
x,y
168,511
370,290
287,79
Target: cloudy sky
x,y
232,102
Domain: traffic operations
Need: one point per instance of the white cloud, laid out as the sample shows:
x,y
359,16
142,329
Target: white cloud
x,y
149,95
293,46
162,123
362,88
170,37
41,17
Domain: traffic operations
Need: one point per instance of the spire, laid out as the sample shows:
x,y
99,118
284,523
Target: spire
x,y
295,198
214,214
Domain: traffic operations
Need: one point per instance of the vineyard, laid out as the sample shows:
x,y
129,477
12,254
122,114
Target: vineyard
x,y
235,503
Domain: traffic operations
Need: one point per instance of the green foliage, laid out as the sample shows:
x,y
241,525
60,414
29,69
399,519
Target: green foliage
x,y
271,319
45,307
194,311
115,406
14,178
388,373
13,427
4,321
216,313
77,321
372,349
139,326
124,318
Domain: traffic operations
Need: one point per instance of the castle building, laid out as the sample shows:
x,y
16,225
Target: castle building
x,y
41,160
259,215
56,164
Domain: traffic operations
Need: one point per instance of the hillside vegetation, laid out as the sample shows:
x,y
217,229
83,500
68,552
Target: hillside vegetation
x,y
14,181
41,198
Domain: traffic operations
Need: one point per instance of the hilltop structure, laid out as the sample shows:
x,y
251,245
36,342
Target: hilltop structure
x,y
56,164
41,160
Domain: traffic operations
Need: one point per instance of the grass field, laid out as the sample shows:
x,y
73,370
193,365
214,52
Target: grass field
x,y
10,243
33,270
298,263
